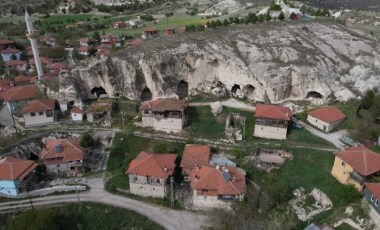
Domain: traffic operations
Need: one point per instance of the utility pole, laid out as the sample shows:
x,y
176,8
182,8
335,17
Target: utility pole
x,y
30,199
172,190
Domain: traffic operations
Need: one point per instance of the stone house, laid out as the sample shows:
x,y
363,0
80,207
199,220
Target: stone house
x,y
40,112
194,155
164,114
149,174
272,121
326,118
15,174
8,53
217,187
372,195
63,156
356,165
17,97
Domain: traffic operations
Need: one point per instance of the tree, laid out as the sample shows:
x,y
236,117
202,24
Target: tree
x,y
281,16
87,140
268,17
225,22
13,57
63,10
96,36
367,100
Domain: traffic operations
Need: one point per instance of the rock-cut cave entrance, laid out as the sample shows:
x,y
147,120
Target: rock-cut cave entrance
x,y
146,95
235,88
313,94
183,89
98,91
248,90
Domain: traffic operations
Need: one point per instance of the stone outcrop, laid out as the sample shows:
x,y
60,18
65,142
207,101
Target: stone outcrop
x,y
216,108
268,62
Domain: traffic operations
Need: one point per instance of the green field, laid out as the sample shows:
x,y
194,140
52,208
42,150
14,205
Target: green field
x,y
66,18
13,19
90,216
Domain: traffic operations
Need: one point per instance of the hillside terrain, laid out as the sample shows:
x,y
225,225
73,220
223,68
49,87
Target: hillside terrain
x,y
348,4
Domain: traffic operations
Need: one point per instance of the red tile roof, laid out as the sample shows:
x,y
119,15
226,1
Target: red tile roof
x,y
275,112
14,63
57,65
10,50
151,164
6,42
77,110
22,78
83,49
14,168
85,40
363,160
72,151
151,30
44,61
164,104
20,93
374,188
328,114
213,180
39,105
195,154
5,85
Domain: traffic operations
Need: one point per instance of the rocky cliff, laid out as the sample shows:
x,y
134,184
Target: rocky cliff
x,y
270,62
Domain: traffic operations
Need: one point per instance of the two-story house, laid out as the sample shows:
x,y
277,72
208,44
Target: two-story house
x,y
17,65
217,187
40,112
194,155
150,32
356,165
326,118
272,121
10,54
15,174
63,156
149,174
164,114
17,97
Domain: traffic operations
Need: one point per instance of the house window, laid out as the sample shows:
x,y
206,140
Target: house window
x,y
49,113
372,198
32,114
158,181
41,113
343,163
377,202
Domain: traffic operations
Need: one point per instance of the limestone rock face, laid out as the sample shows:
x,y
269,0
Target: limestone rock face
x,y
268,62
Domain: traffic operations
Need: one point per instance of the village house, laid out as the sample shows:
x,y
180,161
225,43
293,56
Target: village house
x,y
17,65
150,32
84,41
108,39
63,156
83,50
169,31
149,174
56,68
356,165
5,85
120,25
217,187
45,61
77,114
194,155
164,114
15,174
40,112
48,41
372,195
23,80
98,112
326,118
10,54
272,121
17,97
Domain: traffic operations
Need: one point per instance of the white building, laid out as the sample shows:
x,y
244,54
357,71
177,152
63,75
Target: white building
x,y
149,174
326,118
77,114
164,114
40,112
272,121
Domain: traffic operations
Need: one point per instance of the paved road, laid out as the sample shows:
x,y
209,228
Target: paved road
x,y
168,218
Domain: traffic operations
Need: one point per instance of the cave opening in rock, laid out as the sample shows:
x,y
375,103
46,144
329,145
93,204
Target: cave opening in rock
x,y
183,89
234,89
248,90
98,91
146,95
313,94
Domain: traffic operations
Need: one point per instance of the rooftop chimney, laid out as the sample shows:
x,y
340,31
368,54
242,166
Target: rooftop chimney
x,y
165,169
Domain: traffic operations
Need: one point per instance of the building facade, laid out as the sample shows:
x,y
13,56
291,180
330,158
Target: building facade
x,y
40,112
17,97
10,54
326,118
372,195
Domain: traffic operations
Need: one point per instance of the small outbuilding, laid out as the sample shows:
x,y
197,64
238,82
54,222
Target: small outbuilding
x,y
326,118
77,114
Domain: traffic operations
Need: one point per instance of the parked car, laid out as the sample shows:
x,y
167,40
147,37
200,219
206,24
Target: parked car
x,y
297,126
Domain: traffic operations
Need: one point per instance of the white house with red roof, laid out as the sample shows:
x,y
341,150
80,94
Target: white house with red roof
x,y
164,114
15,174
356,165
84,41
77,114
83,50
17,97
326,118
194,155
150,32
18,65
149,174
40,112
272,121
217,186
9,52
63,156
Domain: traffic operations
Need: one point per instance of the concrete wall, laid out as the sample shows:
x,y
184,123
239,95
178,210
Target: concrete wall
x,y
62,168
321,124
163,124
38,119
342,171
147,121
139,185
368,196
8,188
270,132
201,201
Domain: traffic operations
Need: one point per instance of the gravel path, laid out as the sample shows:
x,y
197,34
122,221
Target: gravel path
x,y
231,102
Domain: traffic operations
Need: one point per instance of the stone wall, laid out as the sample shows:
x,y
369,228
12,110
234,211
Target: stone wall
x,y
157,187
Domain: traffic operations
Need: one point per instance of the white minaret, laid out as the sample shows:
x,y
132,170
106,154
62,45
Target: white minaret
x,y
32,34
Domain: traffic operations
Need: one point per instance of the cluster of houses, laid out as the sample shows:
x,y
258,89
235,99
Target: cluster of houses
x,y
107,42
61,156
215,181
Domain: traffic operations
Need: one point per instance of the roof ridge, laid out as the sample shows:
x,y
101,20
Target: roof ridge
x,y
365,161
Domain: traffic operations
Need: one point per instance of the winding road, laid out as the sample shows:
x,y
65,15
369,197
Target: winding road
x,y
168,218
